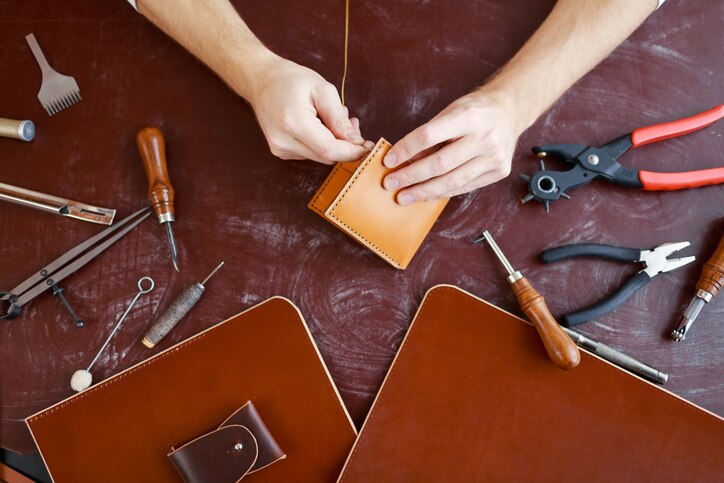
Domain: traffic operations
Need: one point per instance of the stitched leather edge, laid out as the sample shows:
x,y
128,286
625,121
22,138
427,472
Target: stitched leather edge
x,y
451,288
330,211
313,204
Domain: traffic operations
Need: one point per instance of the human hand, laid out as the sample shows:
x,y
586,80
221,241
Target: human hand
x,y
468,145
302,116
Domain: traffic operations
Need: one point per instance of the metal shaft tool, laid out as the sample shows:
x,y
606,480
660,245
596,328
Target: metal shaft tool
x,y
56,205
152,147
23,130
82,378
709,285
176,311
559,346
618,358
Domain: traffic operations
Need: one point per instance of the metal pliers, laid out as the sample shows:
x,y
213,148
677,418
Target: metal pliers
x,y
590,163
656,261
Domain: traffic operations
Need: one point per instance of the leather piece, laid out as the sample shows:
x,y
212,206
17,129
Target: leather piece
x,y
407,61
356,203
121,429
471,396
215,457
268,449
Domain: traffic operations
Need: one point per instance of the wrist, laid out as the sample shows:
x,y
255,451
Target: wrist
x,y
518,112
248,70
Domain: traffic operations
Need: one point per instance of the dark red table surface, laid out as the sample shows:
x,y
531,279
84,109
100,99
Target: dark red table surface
x,y
238,203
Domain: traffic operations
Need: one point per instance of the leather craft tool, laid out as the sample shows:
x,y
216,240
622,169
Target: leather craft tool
x,y
655,261
617,357
176,311
590,163
67,264
709,285
152,147
82,378
56,205
559,346
23,130
57,91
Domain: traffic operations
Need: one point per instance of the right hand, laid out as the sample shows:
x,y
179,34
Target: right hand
x,y
302,116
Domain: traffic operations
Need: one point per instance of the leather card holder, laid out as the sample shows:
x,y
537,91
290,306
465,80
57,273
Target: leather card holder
x,y
241,445
353,198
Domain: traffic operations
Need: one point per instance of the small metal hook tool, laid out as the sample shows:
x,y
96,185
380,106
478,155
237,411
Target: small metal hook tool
x,y
82,378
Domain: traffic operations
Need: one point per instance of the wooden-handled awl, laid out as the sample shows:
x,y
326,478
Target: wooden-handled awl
x,y
711,282
152,147
559,346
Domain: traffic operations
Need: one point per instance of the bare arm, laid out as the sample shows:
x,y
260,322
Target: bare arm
x,y
300,113
470,144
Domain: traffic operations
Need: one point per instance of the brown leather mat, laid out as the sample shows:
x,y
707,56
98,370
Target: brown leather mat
x,y
122,429
471,396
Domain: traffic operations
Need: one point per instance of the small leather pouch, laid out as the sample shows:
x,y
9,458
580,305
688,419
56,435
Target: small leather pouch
x,y
353,198
240,446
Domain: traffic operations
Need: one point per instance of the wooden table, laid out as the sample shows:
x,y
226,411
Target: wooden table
x,y
236,202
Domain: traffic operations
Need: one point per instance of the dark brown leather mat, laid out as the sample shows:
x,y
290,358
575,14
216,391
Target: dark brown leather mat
x,y
237,202
472,396
122,429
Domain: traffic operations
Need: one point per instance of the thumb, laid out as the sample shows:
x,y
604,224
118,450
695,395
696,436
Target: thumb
x,y
334,116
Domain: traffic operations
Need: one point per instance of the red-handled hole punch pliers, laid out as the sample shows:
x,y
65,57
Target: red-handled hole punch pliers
x,y
590,162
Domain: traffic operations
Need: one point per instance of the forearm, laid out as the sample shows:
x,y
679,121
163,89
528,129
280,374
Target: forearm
x,y
575,37
215,33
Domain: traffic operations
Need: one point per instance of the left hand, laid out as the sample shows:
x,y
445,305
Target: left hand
x,y
468,145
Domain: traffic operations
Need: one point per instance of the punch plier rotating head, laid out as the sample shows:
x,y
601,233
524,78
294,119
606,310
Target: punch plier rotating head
x,y
655,261
591,162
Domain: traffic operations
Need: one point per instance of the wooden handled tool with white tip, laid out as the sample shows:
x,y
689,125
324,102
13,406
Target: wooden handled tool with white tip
x,y
176,311
560,347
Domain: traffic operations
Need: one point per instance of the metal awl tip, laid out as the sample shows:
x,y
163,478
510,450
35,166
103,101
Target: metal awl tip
x,y
172,245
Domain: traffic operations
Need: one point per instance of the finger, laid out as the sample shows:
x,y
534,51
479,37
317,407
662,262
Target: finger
x,y
424,137
293,149
334,115
435,164
355,125
440,186
322,144
369,145
484,179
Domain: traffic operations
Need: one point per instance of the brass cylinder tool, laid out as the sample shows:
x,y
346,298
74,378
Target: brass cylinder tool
x,y
23,130
559,346
709,285
152,147
176,311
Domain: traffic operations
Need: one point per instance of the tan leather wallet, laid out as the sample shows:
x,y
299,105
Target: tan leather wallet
x,y
352,197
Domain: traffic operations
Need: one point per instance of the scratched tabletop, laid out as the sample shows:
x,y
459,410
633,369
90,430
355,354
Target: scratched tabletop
x,y
238,203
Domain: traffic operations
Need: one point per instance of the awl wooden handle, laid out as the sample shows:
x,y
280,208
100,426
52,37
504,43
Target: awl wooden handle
x,y
712,275
152,147
561,349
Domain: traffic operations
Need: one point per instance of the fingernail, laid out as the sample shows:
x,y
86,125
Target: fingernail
x,y
390,161
391,184
369,144
405,198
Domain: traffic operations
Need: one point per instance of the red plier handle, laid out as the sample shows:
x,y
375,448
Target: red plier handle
x,y
674,181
